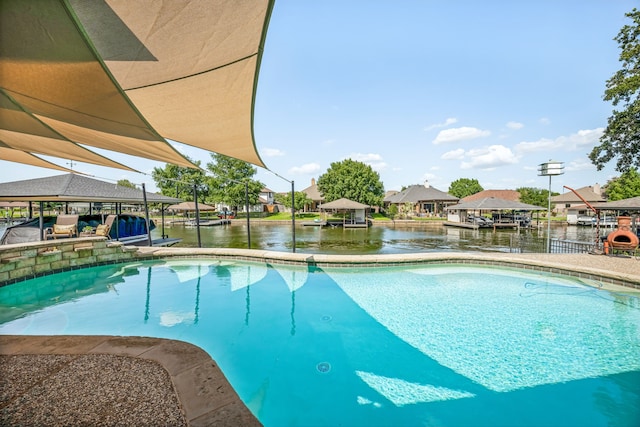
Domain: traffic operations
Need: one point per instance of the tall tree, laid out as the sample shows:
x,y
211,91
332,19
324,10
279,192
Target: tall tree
x,y
623,187
177,181
464,187
621,138
301,199
126,183
534,196
227,183
353,180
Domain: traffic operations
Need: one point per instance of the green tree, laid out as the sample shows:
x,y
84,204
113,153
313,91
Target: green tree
x,y
126,183
353,180
464,187
177,181
392,211
621,138
227,183
534,196
623,187
301,199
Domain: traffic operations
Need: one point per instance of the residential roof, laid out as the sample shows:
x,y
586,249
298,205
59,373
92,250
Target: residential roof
x,y
343,204
99,73
75,188
587,193
313,193
632,203
512,195
420,193
494,203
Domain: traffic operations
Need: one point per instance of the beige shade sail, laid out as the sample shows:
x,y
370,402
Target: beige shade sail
x,y
18,156
126,76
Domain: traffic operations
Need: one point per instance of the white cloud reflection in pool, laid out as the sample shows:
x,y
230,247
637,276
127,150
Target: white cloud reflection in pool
x,y
505,330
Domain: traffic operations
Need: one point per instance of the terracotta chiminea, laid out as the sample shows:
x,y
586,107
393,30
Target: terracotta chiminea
x,y
623,238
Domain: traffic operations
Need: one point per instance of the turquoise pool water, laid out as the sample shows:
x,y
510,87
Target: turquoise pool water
x,y
402,346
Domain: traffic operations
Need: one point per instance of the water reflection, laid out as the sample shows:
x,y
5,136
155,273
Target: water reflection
x,y
377,239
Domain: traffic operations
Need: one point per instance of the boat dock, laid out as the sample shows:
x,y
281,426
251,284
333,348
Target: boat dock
x,y
461,225
207,223
315,223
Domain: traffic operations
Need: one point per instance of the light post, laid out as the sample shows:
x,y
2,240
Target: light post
x,y
549,169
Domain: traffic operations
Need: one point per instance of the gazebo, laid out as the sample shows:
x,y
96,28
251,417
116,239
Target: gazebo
x,y
357,212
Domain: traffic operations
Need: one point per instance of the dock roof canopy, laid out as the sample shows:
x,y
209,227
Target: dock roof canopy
x,y
75,188
343,204
630,204
127,76
494,203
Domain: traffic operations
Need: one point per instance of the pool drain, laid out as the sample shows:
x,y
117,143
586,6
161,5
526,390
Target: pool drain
x,y
323,367
326,318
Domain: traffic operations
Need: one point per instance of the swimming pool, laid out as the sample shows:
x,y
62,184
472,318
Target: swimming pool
x,y
419,345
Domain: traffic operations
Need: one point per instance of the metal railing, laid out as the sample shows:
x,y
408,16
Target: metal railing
x,y
528,244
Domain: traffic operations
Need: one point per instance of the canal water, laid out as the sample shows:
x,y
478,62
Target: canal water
x,y
378,239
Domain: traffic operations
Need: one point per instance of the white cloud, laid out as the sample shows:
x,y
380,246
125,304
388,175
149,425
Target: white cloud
x,y
582,138
371,159
579,140
306,169
543,144
448,122
489,157
453,155
364,158
272,152
460,134
515,125
544,121
579,165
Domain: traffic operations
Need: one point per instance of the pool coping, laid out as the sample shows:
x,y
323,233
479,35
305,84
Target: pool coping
x,y
611,270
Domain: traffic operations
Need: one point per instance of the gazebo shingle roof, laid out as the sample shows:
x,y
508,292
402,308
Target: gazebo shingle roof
x,y
75,188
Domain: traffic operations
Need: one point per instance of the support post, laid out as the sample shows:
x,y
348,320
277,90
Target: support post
x,y
246,208
41,220
549,218
146,215
195,200
293,216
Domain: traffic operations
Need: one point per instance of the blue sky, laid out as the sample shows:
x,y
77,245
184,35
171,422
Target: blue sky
x,y
427,90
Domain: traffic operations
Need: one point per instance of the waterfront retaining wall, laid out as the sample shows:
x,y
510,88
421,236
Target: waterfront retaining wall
x,y
22,261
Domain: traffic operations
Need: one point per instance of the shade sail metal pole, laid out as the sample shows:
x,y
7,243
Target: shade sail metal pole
x,y
246,202
146,215
293,216
195,200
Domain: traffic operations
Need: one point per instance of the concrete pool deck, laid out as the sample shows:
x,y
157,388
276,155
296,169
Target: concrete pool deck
x,y
106,380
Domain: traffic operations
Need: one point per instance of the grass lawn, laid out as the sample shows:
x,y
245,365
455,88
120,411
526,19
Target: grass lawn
x,y
282,216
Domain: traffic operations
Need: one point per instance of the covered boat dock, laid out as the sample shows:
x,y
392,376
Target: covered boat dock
x,y
74,188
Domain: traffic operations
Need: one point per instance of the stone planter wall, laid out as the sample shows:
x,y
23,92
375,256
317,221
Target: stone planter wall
x,y
28,260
